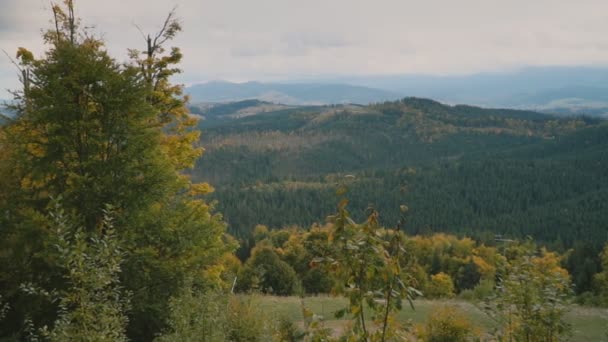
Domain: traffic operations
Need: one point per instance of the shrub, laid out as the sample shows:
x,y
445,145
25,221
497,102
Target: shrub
x,y
214,316
266,272
245,323
441,285
448,324
467,295
316,281
288,331
196,316
484,289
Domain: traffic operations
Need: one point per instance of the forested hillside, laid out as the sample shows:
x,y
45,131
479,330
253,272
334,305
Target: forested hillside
x,y
460,169
499,171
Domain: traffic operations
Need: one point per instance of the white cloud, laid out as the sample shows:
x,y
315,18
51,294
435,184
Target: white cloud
x,y
274,39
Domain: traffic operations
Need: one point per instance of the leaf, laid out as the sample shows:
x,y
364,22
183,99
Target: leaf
x,y
25,56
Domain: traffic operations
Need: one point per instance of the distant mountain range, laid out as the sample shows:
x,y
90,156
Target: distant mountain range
x,y
290,94
557,90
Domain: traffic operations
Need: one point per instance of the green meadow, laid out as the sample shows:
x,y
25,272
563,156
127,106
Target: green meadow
x,y
588,324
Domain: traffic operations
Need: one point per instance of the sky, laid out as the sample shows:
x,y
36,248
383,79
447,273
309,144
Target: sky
x,y
240,40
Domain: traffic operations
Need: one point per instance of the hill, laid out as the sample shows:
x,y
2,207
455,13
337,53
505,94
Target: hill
x,y
291,94
461,169
212,112
487,170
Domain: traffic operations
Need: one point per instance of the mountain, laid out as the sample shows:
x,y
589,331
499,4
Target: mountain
x,y
561,90
555,90
460,169
291,94
216,112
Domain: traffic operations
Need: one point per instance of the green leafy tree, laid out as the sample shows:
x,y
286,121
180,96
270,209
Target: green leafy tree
x,y
93,305
266,272
366,264
532,297
95,131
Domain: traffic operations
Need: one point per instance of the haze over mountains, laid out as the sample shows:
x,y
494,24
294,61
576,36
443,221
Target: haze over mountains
x,y
309,93
559,90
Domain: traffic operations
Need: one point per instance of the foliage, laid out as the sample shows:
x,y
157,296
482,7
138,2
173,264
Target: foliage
x,y
202,315
441,285
314,328
196,316
246,323
266,272
294,247
484,289
93,306
366,264
287,331
448,324
532,297
96,131
601,278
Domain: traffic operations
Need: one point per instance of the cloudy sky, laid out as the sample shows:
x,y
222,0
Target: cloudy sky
x,y
243,40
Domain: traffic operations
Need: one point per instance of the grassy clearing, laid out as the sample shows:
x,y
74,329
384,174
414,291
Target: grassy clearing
x,y
589,324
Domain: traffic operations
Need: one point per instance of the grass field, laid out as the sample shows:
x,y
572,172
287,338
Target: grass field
x,y
588,324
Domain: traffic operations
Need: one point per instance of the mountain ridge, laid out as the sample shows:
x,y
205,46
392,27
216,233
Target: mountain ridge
x,y
555,90
286,93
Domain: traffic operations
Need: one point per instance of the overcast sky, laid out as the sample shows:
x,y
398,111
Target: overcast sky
x,y
243,40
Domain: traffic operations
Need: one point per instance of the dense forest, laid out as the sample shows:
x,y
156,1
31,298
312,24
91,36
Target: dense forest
x,y
111,231
463,170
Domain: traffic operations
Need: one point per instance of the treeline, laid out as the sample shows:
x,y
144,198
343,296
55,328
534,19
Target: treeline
x,y
377,269
440,265
286,262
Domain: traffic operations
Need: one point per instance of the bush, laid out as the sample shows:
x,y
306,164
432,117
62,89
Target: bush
x,y
245,323
288,331
441,285
316,281
467,295
266,272
589,299
213,316
484,289
196,316
447,324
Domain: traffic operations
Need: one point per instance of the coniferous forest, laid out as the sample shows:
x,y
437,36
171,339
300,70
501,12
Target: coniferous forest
x,y
121,221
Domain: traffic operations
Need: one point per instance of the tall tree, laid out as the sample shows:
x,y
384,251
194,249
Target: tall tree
x,y
96,132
